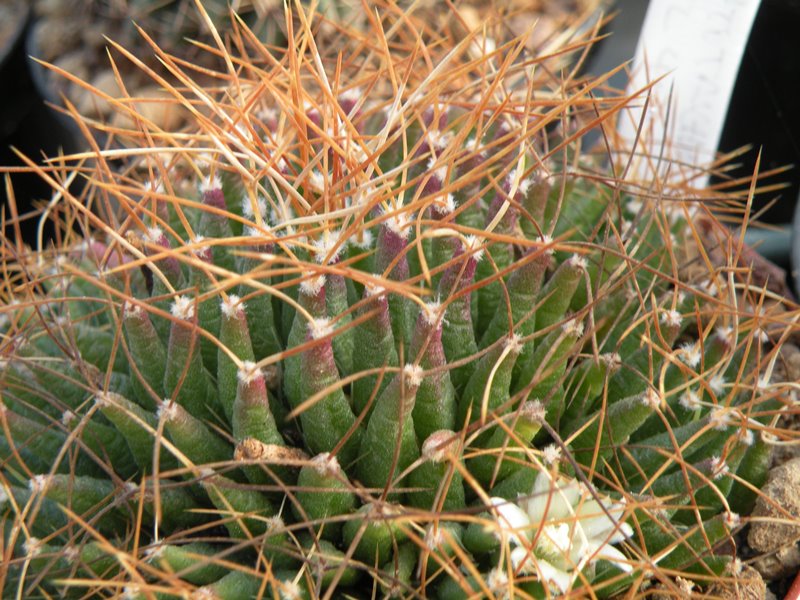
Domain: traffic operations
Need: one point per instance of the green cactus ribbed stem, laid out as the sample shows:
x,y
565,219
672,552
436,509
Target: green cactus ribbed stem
x,y
542,377
390,245
753,469
208,310
488,298
252,416
523,289
534,203
234,335
377,531
435,405
185,378
173,504
507,451
90,497
193,562
556,295
138,427
585,386
343,342
391,425
312,298
324,492
330,420
104,441
50,521
45,442
497,364
147,351
373,347
192,437
235,586
261,318
399,570
440,484
615,425
215,225
458,335
246,512
634,375
326,563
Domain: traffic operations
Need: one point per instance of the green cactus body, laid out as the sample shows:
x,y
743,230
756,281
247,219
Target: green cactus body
x,y
373,348
324,492
248,382
234,335
391,422
435,405
440,484
330,420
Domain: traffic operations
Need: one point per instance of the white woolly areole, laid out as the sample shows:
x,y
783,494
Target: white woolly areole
x,y
437,139
651,398
717,384
316,181
182,308
430,313
719,468
38,483
547,240
612,359
446,205
573,327
438,172
497,580
438,445
351,95
721,418
68,417
199,246
326,464
413,375
372,289
131,310
154,551
671,318
153,235
434,537
247,206
167,410
732,520
725,335
210,183
475,244
232,306
533,411
32,547
319,328
690,354
249,372
364,240
576,261
324,245
311,286
746,437
290,590
3,496
399,223
514,344
690,400
203,593
551,454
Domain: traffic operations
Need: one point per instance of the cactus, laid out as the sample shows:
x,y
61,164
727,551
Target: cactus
x,y
398,336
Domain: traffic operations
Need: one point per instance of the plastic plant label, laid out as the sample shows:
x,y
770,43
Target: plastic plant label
x,y
697,46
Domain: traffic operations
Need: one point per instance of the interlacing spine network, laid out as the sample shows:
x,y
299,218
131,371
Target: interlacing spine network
x,y
375,322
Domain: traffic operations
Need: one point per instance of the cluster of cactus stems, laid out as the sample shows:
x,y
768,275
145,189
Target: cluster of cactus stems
x,y
376,325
